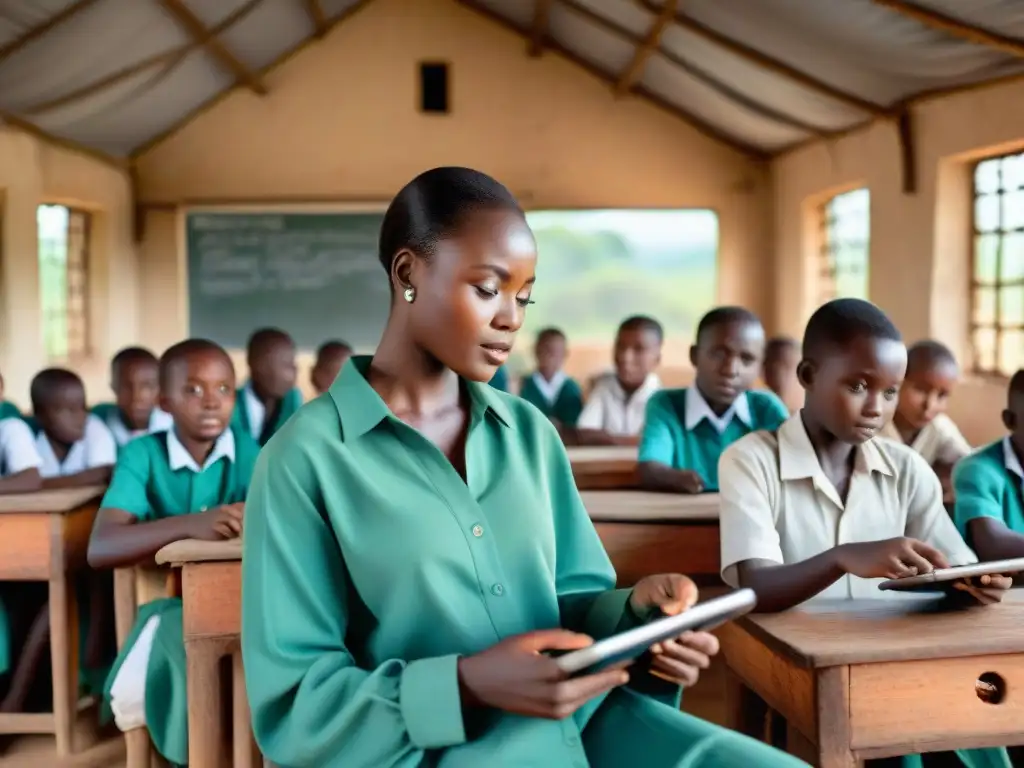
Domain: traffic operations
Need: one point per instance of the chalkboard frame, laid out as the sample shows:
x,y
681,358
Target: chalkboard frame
x,y
258,209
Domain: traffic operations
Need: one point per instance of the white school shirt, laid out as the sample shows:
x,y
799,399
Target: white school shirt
x,y
159,421
549,389
697,409
17,447
939,440
255,410
778,505
610,410
96,449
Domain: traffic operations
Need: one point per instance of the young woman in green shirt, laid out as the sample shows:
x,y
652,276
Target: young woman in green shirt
x,y
415,543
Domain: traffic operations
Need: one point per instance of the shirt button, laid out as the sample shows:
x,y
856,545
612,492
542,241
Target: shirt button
x,y
497,590
202,509
478,531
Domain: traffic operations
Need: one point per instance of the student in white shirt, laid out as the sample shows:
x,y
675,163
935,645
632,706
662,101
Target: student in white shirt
x,y
134,379
19,459
614,413
75,447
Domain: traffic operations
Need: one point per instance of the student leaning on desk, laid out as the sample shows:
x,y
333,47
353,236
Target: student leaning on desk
x,y
788,496
415,542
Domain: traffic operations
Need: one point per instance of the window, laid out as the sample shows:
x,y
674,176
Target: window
x,y
64,280
997,284
845,236
597,267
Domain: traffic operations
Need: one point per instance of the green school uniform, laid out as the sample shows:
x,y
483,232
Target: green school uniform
x,y
500,379
241,419
567,405
679,430
155,479
9,410
986,486
370,566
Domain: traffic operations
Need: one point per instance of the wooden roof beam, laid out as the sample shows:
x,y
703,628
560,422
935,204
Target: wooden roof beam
x,y
651,43
12,47
539,30
195,27
767,62
955,27
317,16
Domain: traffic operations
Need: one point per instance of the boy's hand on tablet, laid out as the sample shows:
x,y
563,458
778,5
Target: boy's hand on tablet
x,y
517,676
219,523
672,593
890,559
985,590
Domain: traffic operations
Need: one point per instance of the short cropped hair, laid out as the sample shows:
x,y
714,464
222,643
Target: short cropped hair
x,y
842,321
48,382
724,316
643,323
927,354
128,356
172,360
550,333
1016,388
778,344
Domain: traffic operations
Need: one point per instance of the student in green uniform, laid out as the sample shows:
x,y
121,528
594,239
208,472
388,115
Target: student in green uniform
x,y
500,379
187,483
819,507
686,430
330,358
135,381
989,487
8,410
558,396
415,543
270,397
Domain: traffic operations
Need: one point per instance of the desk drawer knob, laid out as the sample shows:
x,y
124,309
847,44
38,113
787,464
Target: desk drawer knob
x,y
991,688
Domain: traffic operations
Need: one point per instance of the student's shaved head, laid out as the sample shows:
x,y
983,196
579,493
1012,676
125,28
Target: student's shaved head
x,y
835,325
720,316
131,356
927,355
48,382
174,362
1015,392
263,341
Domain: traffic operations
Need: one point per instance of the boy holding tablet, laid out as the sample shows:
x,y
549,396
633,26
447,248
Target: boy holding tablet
x,y
788,496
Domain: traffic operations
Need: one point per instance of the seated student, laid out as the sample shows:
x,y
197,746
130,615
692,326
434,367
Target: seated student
x,y
556,395
989,487
433,654
789,495
75,447
686,430
134,379
270,397
920,420
781,355
189,482
330,358
614,413
8,409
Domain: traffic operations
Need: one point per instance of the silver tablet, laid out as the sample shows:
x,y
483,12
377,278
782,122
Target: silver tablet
x,y
940,578
634,642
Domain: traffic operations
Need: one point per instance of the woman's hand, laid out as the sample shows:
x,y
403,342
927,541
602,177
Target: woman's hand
x,y
516,676
984,590
681,659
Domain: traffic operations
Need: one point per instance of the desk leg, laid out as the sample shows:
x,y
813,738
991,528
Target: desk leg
x,y
746,711
246,753
833,702
205,703
64,659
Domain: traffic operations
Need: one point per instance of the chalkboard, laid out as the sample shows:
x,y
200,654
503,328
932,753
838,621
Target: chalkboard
x,y
315,275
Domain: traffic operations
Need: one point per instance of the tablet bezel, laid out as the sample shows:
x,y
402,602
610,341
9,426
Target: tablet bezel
x,y
634,642
946,575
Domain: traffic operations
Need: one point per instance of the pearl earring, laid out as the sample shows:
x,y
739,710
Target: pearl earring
x,y
410,294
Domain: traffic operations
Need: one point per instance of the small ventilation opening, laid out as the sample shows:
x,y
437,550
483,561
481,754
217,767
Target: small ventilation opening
x,y
434,87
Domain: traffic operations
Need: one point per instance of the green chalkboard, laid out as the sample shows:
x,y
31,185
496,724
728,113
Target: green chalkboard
x,y
315,275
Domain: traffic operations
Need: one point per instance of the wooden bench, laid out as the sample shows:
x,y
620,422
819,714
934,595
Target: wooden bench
x,y
603,467
864,679
44,537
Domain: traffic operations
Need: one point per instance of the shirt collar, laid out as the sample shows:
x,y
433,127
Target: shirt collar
x,y
1010,459
651,385
158,422
361,409
697,409
179,458
549,389
798,461
255,411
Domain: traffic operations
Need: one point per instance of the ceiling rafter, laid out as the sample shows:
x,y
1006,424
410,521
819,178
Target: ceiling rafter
x,y
643,52
38,31
317,16
34,130
698,73
955,27
696,122
199,31
169,60
767,62
541,24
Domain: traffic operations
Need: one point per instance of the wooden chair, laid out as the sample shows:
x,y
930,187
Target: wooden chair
x,y
134,587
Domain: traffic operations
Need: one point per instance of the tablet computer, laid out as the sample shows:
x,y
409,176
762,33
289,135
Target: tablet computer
x,y
632,643
941,578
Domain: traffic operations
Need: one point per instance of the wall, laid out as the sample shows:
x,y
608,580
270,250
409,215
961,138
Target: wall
x,y
340,122
33,172
921,243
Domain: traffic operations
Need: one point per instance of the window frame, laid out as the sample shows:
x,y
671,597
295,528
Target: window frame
x,y
827,264
974,285
81,266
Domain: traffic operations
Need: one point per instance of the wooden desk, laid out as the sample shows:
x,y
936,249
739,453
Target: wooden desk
x,y
601,467
44,536
647,533
211,592
862,679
